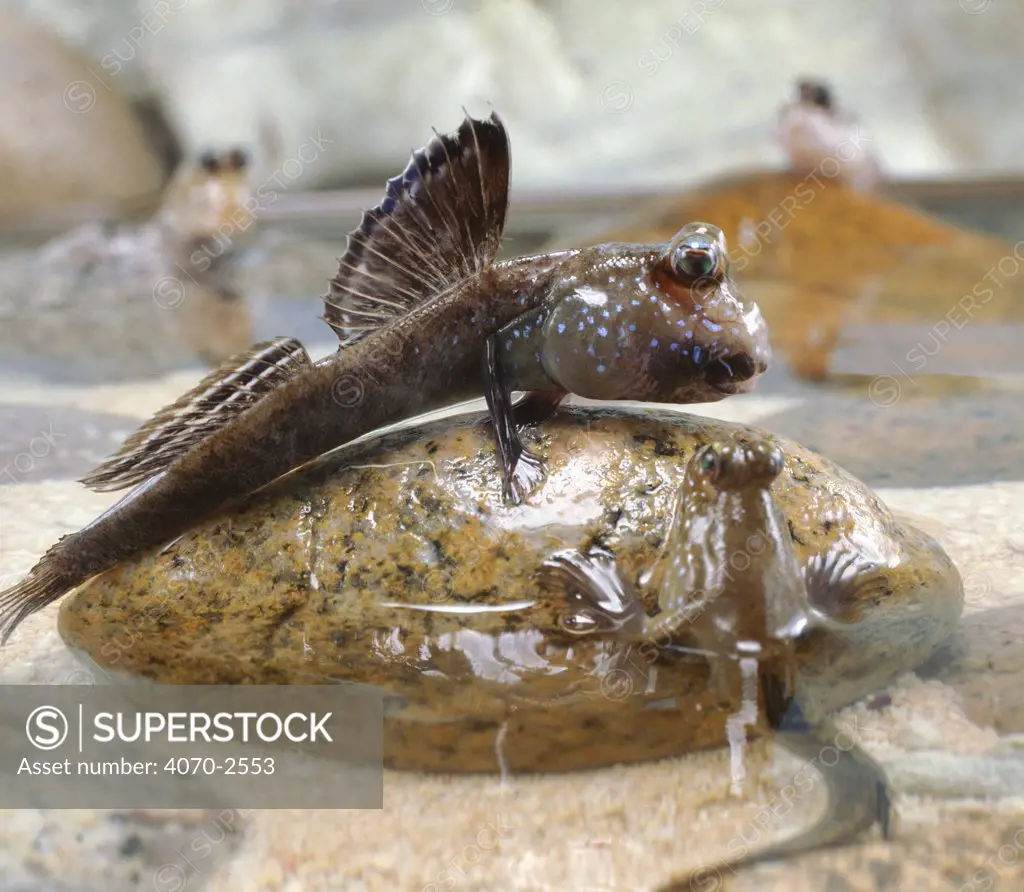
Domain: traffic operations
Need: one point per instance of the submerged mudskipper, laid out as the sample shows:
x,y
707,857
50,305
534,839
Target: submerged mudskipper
x,y
731,589
426,318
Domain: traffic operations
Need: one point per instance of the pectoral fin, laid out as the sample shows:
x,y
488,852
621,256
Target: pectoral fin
x,y
523,471
842,584
597,599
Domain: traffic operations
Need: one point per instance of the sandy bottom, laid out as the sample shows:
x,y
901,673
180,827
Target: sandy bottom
x,y
947,738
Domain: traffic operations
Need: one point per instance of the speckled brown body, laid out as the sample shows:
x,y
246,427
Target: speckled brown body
x,y
301,586
425,318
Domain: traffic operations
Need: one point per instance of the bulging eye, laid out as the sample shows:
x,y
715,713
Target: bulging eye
x,y
209,162
238,159
696,257
710,461
815,93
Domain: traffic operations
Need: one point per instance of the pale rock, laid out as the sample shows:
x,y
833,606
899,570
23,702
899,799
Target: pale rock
x,y
63,139
650,93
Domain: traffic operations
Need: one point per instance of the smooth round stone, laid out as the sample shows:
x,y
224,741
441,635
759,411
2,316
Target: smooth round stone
x,y
322,578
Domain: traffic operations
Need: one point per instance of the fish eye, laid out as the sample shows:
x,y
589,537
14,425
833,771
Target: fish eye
x,y
710,460
695,258
209,162
238,159
815,93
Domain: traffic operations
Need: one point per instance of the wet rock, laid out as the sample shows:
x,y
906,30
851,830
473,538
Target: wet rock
x,y
395,562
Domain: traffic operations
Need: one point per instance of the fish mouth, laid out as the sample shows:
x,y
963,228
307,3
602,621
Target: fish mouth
x,y
733,373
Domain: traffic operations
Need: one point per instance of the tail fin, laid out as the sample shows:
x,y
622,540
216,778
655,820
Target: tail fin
x,y
41,587
220,397
440,222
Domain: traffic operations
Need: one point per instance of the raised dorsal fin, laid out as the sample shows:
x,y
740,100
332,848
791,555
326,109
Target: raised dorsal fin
x,y
220,397
440,222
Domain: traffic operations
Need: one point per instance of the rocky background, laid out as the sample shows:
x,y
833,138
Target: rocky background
x,y
332,92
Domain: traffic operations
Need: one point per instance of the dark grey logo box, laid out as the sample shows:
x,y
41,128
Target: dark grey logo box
x,y
205,746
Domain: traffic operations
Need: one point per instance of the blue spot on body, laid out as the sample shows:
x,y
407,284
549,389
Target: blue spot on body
x,y
582,326
515,333
603,332
654,342
600,367
711,326
696,354
673,346
590,319
561,328
632,327
689,335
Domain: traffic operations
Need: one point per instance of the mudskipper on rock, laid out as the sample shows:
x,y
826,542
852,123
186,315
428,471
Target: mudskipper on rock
x,y
745,618
426,318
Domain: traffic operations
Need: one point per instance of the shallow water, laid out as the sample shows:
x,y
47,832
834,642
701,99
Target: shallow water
x,y
943,446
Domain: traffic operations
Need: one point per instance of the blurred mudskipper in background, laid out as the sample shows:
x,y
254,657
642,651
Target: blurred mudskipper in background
x,y
129,299
854,285
188,286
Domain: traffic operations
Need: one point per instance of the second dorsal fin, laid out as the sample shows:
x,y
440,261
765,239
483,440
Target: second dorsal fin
x,y
440,222
221,396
